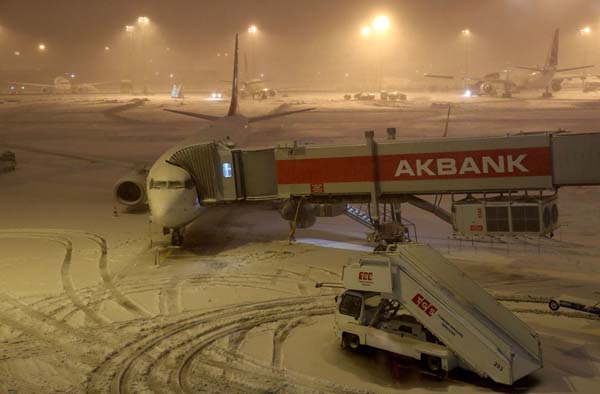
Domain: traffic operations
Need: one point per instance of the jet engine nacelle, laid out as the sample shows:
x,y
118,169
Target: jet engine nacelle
x,y
130,190
486,88
305,217
556,85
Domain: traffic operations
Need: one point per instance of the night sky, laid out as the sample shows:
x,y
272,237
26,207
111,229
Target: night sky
x,y
297,39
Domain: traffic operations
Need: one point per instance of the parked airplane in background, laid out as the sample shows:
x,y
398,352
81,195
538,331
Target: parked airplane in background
x,y
61,85
545,77
477,86
540,78
256,89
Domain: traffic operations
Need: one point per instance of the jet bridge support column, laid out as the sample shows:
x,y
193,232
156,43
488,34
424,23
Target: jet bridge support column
x,y
375,190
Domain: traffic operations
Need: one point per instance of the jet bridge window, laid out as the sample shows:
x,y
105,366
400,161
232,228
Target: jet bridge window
x,y
351,305
227,170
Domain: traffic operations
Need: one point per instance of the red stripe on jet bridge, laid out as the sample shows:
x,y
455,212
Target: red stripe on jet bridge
x,y
493,163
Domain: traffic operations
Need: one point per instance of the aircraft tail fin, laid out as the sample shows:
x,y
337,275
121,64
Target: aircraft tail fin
x,y
233,106
552,60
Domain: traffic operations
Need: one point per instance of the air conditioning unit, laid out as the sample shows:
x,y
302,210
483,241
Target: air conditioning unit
x,y
522,214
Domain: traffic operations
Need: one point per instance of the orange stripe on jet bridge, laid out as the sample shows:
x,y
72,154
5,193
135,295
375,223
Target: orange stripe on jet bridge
x,y
493,163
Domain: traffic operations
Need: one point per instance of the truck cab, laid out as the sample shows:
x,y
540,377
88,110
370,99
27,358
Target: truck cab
x,y
364,318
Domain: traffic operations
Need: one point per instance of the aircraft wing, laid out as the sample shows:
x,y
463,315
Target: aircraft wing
x,y
439,76
38,85
96,83
254,82
194,114
529,68
277,115
88,158
573,68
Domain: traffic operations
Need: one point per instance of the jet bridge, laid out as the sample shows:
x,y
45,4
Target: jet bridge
x,y
393,172
391,169
485,336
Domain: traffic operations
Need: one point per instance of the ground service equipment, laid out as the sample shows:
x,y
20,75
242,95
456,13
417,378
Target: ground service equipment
x,y
412,301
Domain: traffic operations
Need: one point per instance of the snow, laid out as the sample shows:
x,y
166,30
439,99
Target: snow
x,y
236,310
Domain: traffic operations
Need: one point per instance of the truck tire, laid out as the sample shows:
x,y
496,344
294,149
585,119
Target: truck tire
x,y
350,342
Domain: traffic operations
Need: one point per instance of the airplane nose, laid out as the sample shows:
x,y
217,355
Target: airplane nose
x,y
171,208
163,207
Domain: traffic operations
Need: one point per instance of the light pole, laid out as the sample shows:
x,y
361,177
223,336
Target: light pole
x,y
365,32
381,24
129,29
466,33
252,31
143,22
583,33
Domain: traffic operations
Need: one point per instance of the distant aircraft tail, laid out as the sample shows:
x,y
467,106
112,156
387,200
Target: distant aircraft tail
x,y
552,60
233,105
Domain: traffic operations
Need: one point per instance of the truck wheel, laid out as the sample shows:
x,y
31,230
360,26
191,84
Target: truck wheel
x,y
433,364
554,305
350,341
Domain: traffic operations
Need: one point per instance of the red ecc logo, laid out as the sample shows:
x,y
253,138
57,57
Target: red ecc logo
x,y
424,304
365,276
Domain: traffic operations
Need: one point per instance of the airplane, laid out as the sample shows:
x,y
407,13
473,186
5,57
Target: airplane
x,y
61,85
545,77
255,88
479,86
540,77
169,190
172,198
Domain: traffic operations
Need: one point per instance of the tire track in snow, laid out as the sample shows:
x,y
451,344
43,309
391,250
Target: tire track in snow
x,y
65,269
279,336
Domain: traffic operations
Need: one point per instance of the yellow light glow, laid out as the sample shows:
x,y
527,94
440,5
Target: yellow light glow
x,y
381,23
365,31
253,29
42,47
129,28
144,20
466,32
107,48
17,53
585,30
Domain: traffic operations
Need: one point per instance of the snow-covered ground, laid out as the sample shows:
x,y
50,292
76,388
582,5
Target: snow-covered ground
x,y
236,310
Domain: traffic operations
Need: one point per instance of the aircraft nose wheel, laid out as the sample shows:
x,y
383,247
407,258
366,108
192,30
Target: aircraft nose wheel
x,y
177,237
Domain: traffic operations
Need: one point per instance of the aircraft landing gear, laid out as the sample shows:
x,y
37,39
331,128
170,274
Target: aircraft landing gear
x,y
177,237
547,93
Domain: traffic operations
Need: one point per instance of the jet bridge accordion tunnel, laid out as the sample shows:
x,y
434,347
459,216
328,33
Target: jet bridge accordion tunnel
x,y
521,169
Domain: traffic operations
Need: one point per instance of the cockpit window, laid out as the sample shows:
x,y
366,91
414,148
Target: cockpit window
x,y
154,184
175,185
187,184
